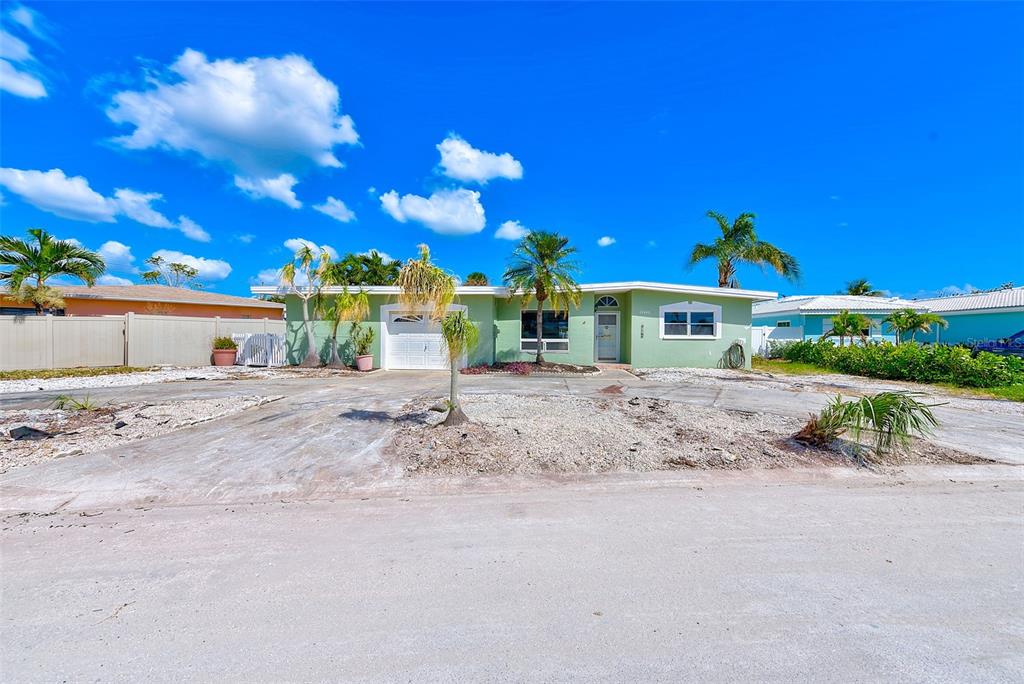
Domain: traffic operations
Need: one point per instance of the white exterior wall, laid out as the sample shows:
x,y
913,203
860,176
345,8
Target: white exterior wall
x,y
38,342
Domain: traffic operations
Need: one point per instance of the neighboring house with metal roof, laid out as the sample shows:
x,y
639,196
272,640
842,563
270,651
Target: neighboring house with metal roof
x,y
640,323
115,300
809,317
978,316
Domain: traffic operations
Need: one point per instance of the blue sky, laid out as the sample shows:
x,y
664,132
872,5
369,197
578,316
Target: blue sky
x,y
872,140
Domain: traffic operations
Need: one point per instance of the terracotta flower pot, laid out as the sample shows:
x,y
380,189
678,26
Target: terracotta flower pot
x,y
224,357
364,362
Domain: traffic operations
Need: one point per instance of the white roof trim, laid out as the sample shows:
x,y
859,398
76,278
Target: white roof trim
x,y
756,295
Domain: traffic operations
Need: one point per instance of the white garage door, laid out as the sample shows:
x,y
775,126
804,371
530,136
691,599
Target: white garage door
x,y
414,342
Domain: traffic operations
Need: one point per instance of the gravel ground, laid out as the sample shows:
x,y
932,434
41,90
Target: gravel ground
x,y
166,374
825,382
86,431
532,434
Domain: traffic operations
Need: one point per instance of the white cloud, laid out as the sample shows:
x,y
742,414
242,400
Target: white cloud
x,y
108,279
20,83
192,230
462,161
511,230
73,198
14,48
245,238
272,276
449,212
117,255
605,241
138,207
279,188
58,194
652,243
383,255
295,244
209,269
947,291
264,118
336,209
30,20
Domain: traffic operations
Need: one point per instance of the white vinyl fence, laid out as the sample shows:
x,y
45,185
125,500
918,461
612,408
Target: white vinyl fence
x,y
34,342
761,335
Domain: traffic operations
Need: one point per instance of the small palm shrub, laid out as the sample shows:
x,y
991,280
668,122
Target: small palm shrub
x,y
910,361
67,402
361,339
891,419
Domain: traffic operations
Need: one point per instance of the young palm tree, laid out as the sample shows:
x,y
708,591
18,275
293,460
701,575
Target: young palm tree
x,y
28,264
900,321
923,322
312,270
346,306
739,244
861,288
541,269
424,284
377,271
477,278
460,336
846,324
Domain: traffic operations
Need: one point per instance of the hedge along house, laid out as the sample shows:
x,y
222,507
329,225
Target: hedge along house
x,y
647,325
976,317
810,317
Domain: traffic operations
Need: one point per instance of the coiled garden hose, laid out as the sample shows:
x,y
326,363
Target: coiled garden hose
x,y
735,357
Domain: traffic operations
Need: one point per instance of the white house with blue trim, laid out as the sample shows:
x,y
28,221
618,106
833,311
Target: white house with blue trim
x,y
971,318
977,317
809,317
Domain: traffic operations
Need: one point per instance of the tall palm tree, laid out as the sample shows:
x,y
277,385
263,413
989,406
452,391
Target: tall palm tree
x,y
922,323
861,288
900,321
309,270
460,336
425,285
346,307
739,244
541,268
28,264
477,278
378,271
846,324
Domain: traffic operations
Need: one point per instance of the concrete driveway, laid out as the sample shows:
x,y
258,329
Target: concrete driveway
x,y
321,441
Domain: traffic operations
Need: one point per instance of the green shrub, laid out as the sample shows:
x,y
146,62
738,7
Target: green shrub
x,y
224,343
909,361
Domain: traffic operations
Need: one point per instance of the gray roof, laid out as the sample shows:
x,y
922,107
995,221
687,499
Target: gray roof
x,y
1000,299
826,304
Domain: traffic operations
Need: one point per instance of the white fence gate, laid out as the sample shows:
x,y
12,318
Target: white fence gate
x,y
259,349
761,335
37,342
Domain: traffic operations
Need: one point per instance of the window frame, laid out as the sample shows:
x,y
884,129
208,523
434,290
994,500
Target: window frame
x,y
783,324
690,307
599,305
545,341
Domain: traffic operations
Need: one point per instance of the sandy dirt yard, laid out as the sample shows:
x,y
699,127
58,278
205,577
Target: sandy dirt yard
x,y
168,374
513,433
80,431
825,382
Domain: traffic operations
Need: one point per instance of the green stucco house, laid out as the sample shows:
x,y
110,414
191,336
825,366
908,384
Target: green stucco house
x,y
646,325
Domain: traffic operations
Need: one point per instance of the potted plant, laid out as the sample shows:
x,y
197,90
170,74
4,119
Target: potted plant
x,y
362,340
224,351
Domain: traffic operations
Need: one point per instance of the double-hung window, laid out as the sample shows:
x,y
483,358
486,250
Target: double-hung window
x,y
554,331
690,320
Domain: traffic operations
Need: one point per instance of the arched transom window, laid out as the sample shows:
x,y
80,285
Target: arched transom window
x,y
607,301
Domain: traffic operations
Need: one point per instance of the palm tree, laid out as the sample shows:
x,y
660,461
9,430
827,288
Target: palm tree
x,y
846,324
477,278
346,306
460,336
739,244
922,322
302,266
541,269
377,271
41,258
425,285
861,288
900,321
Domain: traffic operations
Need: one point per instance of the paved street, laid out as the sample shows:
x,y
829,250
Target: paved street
x,y
766,578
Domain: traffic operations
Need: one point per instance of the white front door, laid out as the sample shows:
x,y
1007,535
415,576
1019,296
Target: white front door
x,y
607,331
